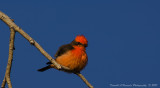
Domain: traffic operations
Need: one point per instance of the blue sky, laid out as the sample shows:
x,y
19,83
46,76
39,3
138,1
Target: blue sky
x,y
123,36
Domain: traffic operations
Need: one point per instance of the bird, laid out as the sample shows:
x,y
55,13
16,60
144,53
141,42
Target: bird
x,y
72,55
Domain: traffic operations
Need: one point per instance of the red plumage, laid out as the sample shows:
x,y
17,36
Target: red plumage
x,y
72,55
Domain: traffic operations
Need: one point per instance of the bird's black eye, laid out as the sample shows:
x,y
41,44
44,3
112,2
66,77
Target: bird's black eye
x,y
78,43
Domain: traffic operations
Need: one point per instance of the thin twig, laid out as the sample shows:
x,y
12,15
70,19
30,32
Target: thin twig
x,y
10,58
84,80
4,82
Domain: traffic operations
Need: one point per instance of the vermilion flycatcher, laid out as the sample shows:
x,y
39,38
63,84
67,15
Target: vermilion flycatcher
x,y
71,55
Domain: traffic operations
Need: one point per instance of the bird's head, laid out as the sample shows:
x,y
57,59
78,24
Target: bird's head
x,y
80,40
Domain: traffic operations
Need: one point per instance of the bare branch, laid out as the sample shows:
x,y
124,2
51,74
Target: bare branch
x,y
84,80
10,58
11,24
4,82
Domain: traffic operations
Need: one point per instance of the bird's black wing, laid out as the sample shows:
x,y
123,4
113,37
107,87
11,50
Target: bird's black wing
x,y
63,49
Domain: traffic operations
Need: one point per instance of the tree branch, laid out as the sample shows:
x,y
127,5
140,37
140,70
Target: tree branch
x,y
4,82
11,24
10,58
84,80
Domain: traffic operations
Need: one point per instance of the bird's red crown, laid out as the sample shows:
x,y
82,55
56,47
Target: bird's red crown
x,y
81,38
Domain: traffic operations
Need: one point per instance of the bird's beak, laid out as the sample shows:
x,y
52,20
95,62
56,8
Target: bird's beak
x,y
85,45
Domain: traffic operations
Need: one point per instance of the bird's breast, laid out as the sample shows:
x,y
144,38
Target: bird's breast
x,y
75,59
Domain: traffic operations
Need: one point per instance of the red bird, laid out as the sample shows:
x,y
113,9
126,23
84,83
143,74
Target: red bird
x,y
71,55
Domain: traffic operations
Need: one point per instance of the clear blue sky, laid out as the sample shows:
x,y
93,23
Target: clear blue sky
x,y
123,36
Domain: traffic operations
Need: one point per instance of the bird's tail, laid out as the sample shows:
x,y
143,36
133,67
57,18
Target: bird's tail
x,y
44,68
